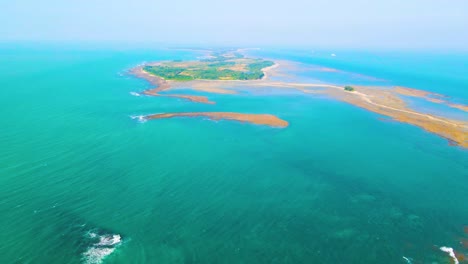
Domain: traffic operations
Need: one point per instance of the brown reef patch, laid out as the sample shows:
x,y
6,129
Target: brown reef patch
x,y
460,256
211,89
459,106
162,85
381,100
411,92
325,69
258,119
464,242
429,96
435,100
388,104
193,98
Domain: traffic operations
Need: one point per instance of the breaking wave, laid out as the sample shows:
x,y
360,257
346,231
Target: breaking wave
x,y
140,118
408,260
103,245
451,253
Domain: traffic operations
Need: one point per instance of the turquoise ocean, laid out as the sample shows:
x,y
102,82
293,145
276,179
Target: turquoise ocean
x,y
83,182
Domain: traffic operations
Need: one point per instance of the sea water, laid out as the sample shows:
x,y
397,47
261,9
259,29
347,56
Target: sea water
x,y
83,182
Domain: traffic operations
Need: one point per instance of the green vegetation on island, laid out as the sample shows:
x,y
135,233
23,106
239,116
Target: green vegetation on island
x,y
219,66
349,88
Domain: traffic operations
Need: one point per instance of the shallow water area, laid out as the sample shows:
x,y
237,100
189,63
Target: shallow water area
x,y
84,180
439,109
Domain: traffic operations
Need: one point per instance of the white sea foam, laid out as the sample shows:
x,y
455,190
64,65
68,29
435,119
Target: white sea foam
x,y
97,252
96,255
140,118
451,253
92,234
408,260
135,94
109,240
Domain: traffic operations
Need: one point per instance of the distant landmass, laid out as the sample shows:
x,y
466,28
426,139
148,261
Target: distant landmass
x,y
228,71
224,66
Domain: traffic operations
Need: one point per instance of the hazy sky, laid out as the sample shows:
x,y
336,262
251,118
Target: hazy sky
x,y
434,24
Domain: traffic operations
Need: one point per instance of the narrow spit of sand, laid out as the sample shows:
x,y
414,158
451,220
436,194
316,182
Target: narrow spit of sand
x,y
258,119
387,102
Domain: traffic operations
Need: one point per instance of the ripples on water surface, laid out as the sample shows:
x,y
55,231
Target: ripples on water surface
x,y
81,182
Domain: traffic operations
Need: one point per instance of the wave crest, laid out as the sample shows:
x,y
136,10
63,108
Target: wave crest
x,y
140,118
103,245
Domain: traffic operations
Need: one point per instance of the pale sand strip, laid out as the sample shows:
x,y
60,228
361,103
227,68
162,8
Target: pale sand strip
x,y
427,96
375,99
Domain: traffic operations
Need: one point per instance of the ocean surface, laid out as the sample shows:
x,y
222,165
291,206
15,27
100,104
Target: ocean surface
x,y
83,182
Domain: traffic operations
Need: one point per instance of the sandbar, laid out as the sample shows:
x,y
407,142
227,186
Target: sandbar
x,y
429,96
258,119
459,106
387,101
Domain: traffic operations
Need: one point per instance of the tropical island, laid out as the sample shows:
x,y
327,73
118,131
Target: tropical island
x,y
220,67
227,72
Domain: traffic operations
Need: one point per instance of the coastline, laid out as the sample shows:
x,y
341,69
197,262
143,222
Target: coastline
x,y
267,70
386,102
162,85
